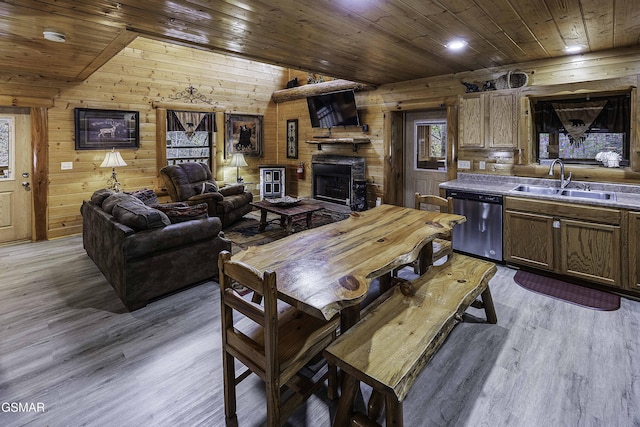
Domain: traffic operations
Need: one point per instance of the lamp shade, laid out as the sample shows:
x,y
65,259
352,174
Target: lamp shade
x,y
238,160
113,159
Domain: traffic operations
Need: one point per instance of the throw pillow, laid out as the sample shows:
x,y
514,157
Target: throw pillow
x,y
148,197
139,216
231,190
99,196
117,198
206,187
184,213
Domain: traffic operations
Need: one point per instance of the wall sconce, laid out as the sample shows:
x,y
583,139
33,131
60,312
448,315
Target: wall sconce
x,y
113,160
238,160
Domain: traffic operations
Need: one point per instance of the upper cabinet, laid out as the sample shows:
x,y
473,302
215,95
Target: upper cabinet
x,y
488,120
471,121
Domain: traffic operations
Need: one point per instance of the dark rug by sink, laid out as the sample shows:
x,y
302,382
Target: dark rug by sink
x,y
569,292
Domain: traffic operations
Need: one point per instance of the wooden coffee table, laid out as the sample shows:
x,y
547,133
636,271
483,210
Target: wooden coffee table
x,y
287,213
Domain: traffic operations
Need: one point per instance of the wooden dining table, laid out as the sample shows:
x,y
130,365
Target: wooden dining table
x,y
329,269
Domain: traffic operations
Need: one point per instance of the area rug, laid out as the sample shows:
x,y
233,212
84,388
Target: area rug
x,y
569,292
244,233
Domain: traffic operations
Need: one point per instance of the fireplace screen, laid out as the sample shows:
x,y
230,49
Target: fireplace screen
x,y
332,183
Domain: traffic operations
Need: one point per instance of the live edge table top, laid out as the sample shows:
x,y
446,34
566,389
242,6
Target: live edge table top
x,y
328,268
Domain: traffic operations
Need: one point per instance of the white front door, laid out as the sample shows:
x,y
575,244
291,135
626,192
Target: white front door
x,y
15,176
426,150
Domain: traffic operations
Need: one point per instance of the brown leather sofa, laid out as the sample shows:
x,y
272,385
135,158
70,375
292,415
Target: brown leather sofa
x,y
193,183
142,254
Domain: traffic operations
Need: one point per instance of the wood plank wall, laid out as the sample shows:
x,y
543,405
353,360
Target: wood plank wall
x,y
370,114
149,71
145,72
592,72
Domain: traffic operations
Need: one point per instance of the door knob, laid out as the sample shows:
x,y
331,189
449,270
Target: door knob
x,y
26,186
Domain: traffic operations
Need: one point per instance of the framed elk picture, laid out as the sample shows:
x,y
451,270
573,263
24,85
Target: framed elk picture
x,y
105,129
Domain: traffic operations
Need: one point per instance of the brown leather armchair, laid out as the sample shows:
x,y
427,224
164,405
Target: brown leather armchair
x,y
193,183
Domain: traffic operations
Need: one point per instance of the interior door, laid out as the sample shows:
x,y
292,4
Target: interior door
x,y
425,148
15,176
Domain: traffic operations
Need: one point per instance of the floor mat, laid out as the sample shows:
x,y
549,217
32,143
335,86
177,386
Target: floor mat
x,y
569,292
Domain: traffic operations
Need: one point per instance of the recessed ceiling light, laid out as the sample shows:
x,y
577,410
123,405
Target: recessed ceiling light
x,y
456,44
573,49
54,36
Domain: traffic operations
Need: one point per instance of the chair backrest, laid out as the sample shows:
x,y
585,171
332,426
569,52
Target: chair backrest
x,y
185,180
265,315
445,205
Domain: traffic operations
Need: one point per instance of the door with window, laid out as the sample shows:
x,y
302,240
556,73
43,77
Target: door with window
x,y
426,152
15,176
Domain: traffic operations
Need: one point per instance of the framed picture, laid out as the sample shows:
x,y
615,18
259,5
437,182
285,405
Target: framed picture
x,y
106,129
292,139
243,135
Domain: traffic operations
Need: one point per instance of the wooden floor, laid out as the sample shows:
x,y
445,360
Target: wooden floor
x,y
69,345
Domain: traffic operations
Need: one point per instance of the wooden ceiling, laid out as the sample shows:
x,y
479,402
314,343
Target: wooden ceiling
x,y
370,41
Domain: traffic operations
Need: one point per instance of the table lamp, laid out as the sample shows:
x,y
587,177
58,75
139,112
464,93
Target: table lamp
x,y
238,160
112,160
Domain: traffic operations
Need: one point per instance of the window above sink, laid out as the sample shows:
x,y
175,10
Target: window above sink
x,y
605,121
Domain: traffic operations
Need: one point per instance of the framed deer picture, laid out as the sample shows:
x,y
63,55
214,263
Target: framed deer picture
x,y
106,129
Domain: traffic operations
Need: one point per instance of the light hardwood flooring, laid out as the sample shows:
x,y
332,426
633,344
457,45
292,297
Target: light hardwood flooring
x,y
68,343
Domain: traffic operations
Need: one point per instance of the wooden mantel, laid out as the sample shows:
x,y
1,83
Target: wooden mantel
x,y
317,89
352,141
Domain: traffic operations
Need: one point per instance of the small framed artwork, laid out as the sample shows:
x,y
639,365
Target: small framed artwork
x,y
292,139
243,135
106,129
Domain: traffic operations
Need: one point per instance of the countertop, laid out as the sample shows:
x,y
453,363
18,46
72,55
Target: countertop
x,y
627,196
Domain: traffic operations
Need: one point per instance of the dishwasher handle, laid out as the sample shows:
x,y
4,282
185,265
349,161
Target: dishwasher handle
x,y
484,198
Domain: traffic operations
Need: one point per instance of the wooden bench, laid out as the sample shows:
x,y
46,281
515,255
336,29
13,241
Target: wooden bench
x,y
389,347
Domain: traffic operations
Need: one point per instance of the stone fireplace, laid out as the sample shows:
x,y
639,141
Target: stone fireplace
x,y
334,179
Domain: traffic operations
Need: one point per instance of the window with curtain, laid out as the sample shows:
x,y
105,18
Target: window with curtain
x,y
577,129
190,137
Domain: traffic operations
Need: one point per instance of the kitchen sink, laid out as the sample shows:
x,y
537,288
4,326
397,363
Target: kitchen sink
x,y
552,191
585,194
534,189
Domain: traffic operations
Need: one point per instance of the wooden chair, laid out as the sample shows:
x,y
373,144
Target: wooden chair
x,y
441,247
272,339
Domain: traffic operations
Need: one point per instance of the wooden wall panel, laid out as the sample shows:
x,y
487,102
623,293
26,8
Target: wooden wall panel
x,y
369,109
143,73
148,72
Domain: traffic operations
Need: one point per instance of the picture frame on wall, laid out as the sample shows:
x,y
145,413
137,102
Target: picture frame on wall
x,y
292,139
97,129
243,135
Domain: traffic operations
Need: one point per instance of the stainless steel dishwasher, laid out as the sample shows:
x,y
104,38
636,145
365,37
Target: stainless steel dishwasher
x,y
481,234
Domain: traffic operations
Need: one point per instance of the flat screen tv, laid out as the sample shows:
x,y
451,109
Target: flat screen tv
x,y
333,109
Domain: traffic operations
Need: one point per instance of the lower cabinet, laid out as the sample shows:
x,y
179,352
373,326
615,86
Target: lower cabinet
x,y
634,251
529,239
580,241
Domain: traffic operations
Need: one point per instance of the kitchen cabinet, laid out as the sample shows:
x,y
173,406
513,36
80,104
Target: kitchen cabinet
x,y
487,120
471,121
580,241
634,251
536,250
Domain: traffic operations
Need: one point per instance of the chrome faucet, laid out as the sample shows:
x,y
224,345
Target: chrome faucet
x,y
563,182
